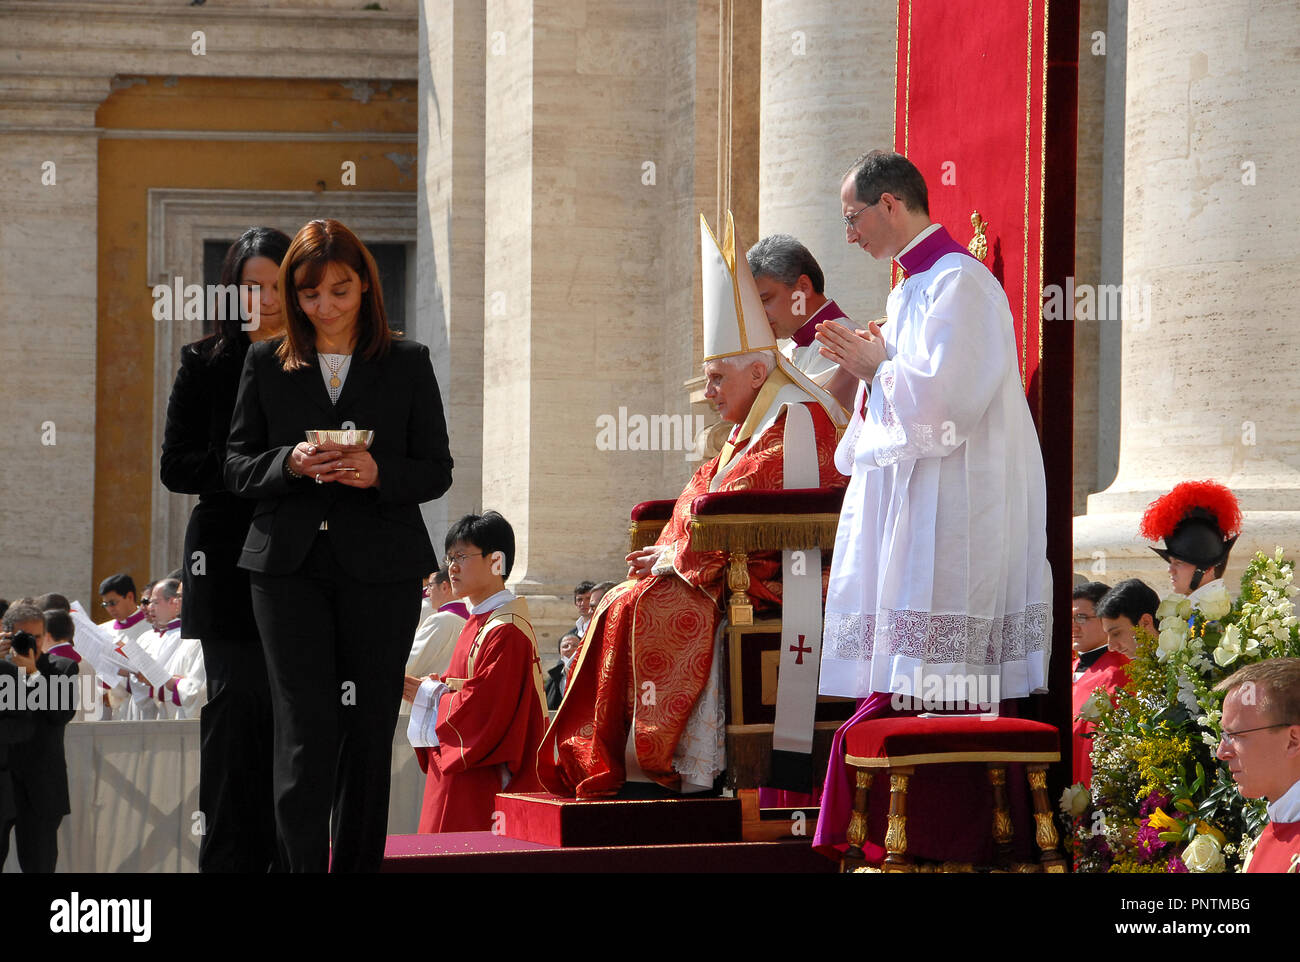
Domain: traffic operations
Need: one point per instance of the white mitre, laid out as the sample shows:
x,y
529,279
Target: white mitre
x,y
735,322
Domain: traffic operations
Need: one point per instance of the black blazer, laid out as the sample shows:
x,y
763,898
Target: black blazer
x,y
38,765
378,534
15,727
217,603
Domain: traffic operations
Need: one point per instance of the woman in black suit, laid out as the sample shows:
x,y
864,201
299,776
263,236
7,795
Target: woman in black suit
x,y
337,548
235,725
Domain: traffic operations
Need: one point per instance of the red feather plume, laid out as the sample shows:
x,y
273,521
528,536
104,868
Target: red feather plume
x,y
1164,513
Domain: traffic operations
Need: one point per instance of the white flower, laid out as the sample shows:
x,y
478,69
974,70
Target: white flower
x,y
1171,641
1074,800
1092,708
1187,694
1203,855
1229,649
1215,603
1169,606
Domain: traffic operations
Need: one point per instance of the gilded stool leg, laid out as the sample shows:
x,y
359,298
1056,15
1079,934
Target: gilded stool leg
x,y
1044,830
896,835
1002,827
857,833
740,610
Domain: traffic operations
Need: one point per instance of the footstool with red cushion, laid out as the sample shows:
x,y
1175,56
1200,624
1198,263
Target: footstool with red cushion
x,y
899,745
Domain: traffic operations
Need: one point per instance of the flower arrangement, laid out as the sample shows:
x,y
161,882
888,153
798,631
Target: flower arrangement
x,y
1160,800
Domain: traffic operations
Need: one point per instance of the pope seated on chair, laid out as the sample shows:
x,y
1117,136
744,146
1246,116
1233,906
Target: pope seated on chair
x,y
644,701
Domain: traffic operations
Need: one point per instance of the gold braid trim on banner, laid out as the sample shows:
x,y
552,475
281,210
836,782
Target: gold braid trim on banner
x,y
763,532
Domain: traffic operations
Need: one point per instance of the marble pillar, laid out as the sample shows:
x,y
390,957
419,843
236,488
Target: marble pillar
x,y
1211,248
449,251
827,97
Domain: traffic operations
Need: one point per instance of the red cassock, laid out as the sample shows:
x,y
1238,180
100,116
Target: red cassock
x,y
658,631
494,720
1109,672
1277,850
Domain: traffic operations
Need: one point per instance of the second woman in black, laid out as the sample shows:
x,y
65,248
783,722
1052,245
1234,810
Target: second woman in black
x,y
235,790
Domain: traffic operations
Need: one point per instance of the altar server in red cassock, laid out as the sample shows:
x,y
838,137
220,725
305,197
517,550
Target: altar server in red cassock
x,y
476,728
1130,605
1261,746
644,700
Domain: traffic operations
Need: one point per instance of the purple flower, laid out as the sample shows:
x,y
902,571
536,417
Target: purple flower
x,y
1153,801
1148,843
1175,866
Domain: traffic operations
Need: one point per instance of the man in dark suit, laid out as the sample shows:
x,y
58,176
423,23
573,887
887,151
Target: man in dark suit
x,y
37,765
555,679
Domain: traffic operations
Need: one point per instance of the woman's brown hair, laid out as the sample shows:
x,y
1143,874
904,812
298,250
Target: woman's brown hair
x,y
318,243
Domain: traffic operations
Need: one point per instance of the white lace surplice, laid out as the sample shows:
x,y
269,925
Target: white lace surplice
x,y
940,566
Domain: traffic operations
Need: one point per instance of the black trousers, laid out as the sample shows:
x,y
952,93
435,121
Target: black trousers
x,y
37,837
336,652
236,743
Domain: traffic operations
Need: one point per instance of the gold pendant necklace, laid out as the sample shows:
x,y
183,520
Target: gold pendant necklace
x,y
334,371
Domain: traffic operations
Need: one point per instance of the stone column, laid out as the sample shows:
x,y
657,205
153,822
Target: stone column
x,y
1095,45
577,198
604,124
827,96
1211,253
449,252
49,188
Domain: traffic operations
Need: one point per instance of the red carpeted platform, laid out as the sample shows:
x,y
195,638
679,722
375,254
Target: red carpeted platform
x,y
568,823
548,833
485,852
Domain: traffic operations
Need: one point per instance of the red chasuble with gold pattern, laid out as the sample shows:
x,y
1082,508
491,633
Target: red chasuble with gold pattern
x,y
656,636
488,731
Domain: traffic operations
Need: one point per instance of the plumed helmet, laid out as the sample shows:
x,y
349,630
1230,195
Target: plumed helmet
x,y
1199,522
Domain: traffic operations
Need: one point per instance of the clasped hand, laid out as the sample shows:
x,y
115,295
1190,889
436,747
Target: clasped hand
x,y
857,351
351,466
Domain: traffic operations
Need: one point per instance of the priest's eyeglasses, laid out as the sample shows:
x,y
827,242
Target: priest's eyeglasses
x,y
1228,736
850,218
458,558
1082,619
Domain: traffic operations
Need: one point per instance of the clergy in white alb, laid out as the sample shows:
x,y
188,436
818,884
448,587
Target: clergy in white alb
x,y
435,637
187,692
940,584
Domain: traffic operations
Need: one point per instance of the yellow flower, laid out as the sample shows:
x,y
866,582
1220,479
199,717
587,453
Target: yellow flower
x,y
1165,823
1205,828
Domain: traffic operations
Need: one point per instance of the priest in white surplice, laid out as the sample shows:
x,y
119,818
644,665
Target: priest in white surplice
x,y
939,584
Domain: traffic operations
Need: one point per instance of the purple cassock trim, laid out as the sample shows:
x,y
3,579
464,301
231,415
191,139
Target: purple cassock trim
x,y
65,650
134,619
456,608
923,255
830,311
176,697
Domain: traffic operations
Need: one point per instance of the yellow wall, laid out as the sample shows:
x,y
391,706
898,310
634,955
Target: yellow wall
x,y
125,460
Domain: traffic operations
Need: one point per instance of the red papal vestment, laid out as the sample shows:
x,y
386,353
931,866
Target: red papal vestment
x,y
488,731
653,639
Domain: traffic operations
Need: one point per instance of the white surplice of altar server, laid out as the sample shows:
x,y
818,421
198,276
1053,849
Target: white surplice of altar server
x,y
130,620
442,616
940,568
187,692
159,644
